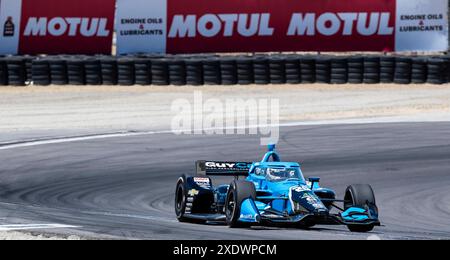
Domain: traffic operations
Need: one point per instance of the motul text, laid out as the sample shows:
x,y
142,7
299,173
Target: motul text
x,y
301,24
70,26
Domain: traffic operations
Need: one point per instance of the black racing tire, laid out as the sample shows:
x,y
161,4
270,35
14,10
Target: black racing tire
x,y
211,71
360,228
40,72
237,193
180,199
359,195
16,71
194,72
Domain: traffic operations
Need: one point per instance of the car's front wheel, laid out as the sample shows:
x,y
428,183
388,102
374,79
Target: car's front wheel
x,y
360,195
180,199
237,193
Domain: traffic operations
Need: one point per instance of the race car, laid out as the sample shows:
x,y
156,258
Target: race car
x,y
273,193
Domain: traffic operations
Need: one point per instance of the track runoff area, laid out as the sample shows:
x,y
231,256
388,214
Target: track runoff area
x,y
77,42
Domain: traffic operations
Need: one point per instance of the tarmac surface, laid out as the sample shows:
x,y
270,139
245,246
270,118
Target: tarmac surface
x,y
123,186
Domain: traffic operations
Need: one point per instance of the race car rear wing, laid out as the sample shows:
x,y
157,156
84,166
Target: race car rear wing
x,y
213,168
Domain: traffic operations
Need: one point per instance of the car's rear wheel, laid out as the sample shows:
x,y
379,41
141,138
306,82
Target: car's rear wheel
x,y
359,195
180,199
237,193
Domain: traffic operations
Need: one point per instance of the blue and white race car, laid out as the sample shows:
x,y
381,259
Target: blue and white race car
x,y
273,193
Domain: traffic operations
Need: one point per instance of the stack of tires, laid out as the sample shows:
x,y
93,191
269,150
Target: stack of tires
x,y
211,71
403,69
40,72
419,70
308,69
387,69
142,71
177,72
109,70
277,70
229,71
194,72
371,70
92,71
437,71
292,69
17,72
58,70
75,71
339,70
446,59
125,71
355,67
160,71
3,72
261,70
323,70
244,66
29,67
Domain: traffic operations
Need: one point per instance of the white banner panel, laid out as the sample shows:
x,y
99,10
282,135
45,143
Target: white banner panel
x,y
422,25
10,16
141,26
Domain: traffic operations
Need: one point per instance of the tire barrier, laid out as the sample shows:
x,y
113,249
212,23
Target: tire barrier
x,y
222,70
323,70
261,70
211,71
339,70
403,70
93,71
109,70
355,70
58,71
371,73
160,72
229,71
177,72
245,74
142,71
437,69
17,72
419,70
125,71
28,66
308,70
387,69
3,73
75,71
194,72
292,69
40,72
277,68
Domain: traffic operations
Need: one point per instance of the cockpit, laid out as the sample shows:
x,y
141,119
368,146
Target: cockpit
x,y
275,174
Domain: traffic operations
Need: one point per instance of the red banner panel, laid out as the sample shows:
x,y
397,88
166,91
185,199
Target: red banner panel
x,y
66,26
261,25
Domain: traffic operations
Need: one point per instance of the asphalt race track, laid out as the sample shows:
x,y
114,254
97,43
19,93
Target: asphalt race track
x,y
123,186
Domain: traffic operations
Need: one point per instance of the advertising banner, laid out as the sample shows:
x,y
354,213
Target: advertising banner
x,y
193,26
56,26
